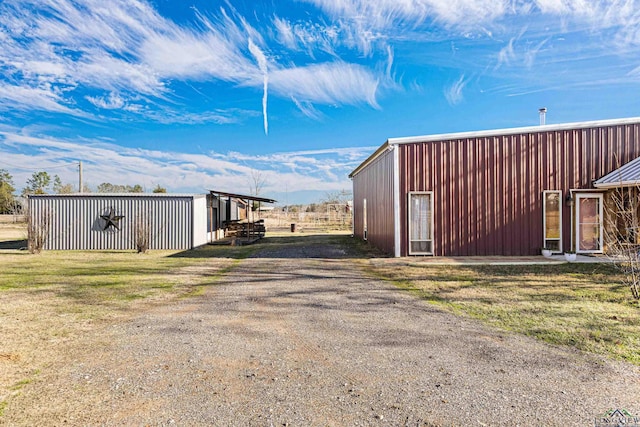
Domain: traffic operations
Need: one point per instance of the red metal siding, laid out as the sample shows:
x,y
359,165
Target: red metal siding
x,y
375,184
488,190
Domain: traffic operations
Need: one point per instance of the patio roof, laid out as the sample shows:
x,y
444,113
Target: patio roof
x,y
626,176
242,196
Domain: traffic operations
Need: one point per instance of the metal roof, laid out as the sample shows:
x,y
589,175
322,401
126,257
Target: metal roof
x,y
626,176
513,131
242,196
166,195
491,133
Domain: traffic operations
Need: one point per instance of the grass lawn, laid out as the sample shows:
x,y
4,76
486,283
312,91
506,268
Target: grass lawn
x,y
580,305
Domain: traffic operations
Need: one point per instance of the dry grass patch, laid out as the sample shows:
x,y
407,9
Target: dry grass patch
x,y
580,305
49,300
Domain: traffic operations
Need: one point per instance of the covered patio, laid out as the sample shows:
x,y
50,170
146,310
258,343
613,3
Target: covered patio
x,y
232,218
621,228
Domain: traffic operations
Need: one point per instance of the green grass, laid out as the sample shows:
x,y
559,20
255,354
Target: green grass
x,y
114,278
579,305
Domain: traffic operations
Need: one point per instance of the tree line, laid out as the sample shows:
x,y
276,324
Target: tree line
x,y
43,183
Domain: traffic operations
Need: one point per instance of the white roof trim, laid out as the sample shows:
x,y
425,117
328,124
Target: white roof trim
x,y
512,131
111,195
618,184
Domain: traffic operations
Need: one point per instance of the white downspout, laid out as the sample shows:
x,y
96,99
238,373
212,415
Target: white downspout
x,y
571,215
396,201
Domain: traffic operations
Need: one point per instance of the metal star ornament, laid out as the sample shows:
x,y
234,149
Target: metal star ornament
x,y
111,220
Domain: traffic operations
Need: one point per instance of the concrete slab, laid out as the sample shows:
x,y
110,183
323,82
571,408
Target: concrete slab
x,y
499,260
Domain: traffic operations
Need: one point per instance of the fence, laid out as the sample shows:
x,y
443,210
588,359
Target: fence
x,y
12,219
329,219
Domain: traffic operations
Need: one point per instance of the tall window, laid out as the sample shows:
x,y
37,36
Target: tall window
x,y
553,220
420,223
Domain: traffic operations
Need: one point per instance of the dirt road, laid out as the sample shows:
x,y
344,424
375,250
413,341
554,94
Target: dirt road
x,y
298,336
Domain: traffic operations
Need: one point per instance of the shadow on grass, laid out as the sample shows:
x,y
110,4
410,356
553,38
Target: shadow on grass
x,y
13,244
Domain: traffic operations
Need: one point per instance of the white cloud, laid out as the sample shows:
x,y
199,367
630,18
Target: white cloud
x,y
298,171
507,54
284,32
331,83
111,102
44,98
453,93
129,49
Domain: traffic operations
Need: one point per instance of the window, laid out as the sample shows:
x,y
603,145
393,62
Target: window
x,y
420,223
552,220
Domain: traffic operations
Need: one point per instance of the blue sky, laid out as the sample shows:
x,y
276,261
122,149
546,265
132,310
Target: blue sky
x,y
197,95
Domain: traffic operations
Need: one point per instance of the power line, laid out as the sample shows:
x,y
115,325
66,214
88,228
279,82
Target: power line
x,y
41,168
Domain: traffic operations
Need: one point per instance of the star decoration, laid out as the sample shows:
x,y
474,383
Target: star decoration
x,y
112,220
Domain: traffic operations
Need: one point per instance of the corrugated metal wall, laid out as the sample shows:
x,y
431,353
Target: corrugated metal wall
x,y
375,184
200,213
488,190
76,222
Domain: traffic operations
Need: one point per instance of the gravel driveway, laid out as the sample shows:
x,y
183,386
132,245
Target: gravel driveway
x,y
298,336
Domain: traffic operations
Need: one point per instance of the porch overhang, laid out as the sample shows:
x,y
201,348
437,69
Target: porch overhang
x,y
627,175
242,197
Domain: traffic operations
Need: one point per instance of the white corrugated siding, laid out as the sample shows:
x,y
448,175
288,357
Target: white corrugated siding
x,y
199,221
76,223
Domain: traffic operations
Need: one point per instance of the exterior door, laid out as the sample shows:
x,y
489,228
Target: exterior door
x,y
420,223
364,219
589,223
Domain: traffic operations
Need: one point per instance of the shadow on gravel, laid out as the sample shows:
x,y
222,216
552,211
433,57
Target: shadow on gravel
x,y
320,246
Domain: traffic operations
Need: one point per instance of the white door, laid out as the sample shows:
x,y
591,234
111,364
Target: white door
x,y
589,223
364,219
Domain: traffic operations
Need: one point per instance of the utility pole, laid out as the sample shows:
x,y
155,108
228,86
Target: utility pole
x,y
80,177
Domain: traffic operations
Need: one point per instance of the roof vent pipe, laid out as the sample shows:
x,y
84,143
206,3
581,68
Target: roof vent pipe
x,y
543,115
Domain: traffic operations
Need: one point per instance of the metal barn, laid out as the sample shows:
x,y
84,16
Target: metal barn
x,y
109,221
500,192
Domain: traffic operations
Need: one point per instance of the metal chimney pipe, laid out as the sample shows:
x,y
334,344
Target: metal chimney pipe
x,y
543,115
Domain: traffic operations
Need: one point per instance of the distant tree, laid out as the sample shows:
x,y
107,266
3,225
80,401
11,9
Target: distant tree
x,y
159,189
37,184
7,200
258,181
107,187
60,188
337,197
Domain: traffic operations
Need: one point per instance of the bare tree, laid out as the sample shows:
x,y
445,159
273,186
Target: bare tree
x,y
257,184
38,228
258,181
142,232
622,234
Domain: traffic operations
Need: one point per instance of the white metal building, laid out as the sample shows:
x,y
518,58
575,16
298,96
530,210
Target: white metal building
x,y
97,221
